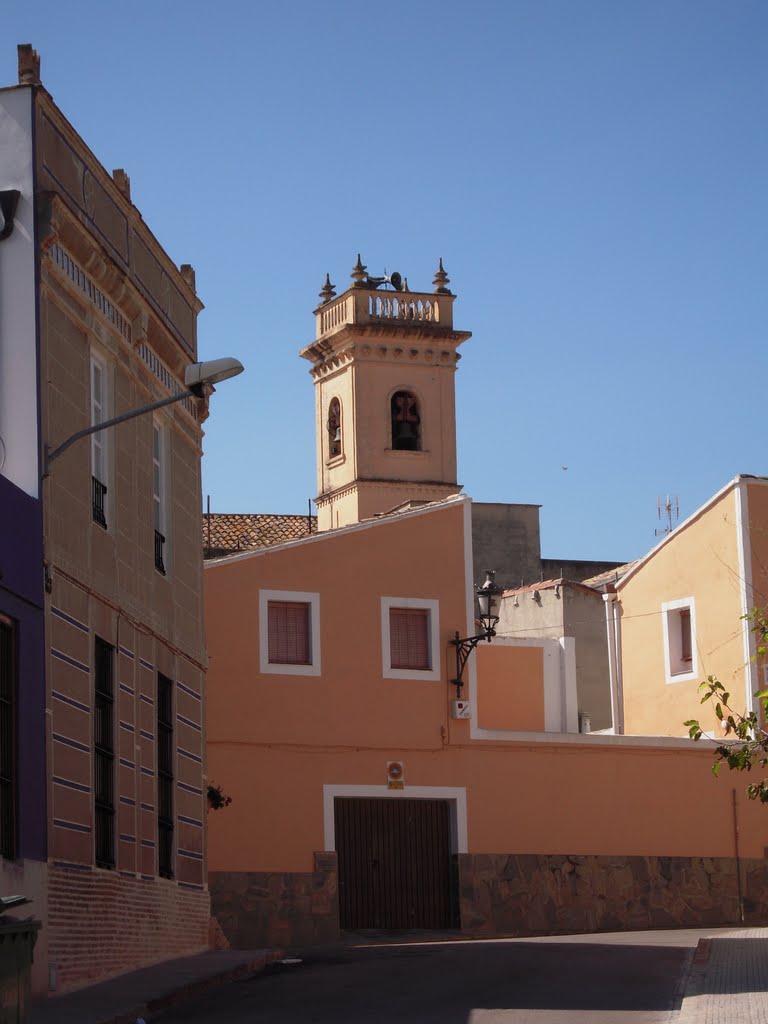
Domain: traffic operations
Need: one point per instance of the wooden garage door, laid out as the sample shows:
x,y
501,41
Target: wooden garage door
x,y
395,863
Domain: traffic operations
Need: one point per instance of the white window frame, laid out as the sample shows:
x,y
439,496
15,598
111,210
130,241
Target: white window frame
x,y
266,667
160,504
433,638
676,670
99,413
101,440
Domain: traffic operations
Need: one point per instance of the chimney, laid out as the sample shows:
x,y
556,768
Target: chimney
x,y
122,181
187,271
29,65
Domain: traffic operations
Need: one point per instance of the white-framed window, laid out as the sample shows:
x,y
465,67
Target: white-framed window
x,y
680,655
99,440
160,494
289,632
410,638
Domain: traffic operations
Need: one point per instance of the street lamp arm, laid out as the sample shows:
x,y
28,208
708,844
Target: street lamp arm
x,y
464,647
50,455
196,377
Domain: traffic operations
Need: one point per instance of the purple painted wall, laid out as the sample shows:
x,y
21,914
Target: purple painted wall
x,y
22,599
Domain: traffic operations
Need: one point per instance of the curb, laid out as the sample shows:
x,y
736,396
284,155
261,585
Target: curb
x,y
154,1008
703,951
693,984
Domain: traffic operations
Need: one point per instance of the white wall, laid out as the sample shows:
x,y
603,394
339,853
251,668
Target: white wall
x,y
18,357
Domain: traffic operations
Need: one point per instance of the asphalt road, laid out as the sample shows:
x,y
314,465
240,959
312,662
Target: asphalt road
x,y
585,980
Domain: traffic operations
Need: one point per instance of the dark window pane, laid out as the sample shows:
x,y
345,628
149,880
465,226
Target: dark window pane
x,y
104,753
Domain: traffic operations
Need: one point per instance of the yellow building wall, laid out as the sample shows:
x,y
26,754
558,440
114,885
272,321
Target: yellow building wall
x,y
699,561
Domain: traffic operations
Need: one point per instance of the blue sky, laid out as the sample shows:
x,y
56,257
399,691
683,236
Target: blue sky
x,y
592,172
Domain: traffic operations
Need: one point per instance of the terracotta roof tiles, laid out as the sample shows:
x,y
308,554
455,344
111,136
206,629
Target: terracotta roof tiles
x,y
227,532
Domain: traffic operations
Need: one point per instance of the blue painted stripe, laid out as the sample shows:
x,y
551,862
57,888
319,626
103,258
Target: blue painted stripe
x,y
128,689
190,885
147,700
71,701
186,689
190,821
146,664
71,785
190,854
126,725
71,661
146,735
190,755
148,843
127,874
71,743
128,801
189,722
126,763
70,619
69,866
147,807
124,651
73,826
189,789
148,771
126,838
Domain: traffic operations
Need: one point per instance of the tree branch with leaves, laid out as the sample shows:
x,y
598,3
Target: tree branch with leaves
x,y
748,747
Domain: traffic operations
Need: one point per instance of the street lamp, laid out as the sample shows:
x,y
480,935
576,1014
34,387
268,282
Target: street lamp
x,y
489,602
196,377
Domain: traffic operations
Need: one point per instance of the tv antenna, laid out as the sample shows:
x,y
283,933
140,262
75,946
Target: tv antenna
x,y
669,510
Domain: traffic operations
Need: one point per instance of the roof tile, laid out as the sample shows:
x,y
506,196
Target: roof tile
x,y
227,532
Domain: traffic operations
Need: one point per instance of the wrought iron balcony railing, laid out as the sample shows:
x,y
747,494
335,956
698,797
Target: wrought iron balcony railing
x,y
98,494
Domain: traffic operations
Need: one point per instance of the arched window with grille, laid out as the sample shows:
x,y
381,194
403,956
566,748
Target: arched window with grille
x,y
335,445
406,422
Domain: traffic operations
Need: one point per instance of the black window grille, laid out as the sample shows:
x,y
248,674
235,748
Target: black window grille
x,y
98,494
159,545
165,775
7,739
104,753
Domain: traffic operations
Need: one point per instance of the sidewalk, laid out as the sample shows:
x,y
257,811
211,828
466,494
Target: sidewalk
x,y
728,982
145,992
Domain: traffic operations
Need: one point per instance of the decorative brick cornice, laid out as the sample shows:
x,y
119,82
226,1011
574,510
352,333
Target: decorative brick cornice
x,y
436,354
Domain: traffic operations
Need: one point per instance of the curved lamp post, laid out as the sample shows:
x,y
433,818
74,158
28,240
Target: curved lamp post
x,y
489,602
196,377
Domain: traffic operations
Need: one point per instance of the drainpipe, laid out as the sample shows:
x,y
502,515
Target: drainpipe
x,y
614,661
619,669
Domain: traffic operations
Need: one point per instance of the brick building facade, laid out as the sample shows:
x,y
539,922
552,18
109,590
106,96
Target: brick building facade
x,y
105,323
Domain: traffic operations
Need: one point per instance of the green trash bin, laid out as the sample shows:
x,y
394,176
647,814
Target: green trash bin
x,y
17,942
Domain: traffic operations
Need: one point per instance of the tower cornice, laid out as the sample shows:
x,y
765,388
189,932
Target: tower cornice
x,y
384,343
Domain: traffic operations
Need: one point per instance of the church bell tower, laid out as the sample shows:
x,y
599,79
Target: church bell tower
x,y
383,362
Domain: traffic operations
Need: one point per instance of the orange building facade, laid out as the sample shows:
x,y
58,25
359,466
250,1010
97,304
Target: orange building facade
x,y
366,791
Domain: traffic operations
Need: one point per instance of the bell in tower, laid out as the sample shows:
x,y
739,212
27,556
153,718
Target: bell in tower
x,y
383,363
405,422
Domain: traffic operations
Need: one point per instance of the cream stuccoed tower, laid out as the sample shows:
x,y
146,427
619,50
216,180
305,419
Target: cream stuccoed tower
x,y
383,362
